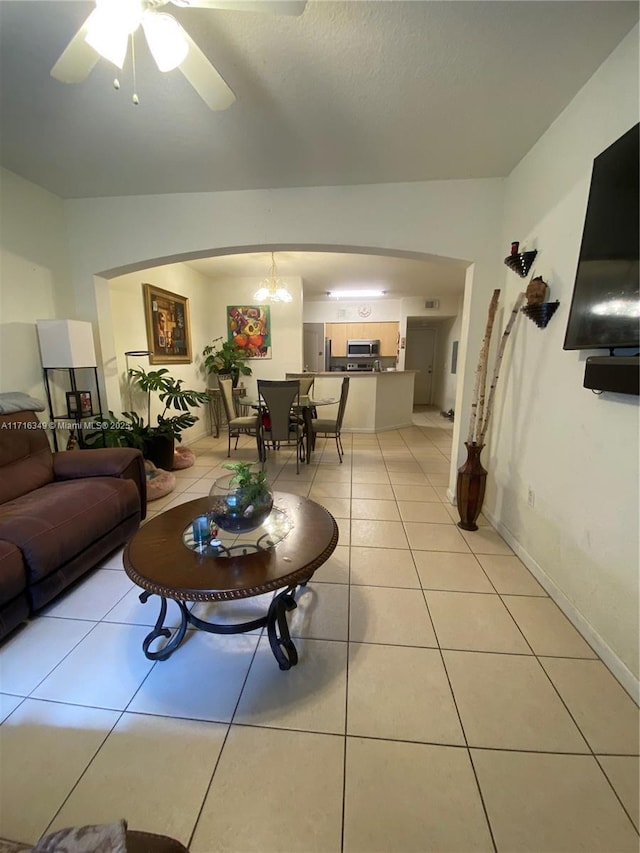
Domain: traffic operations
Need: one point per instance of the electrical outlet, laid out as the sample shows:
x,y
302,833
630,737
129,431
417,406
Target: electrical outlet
x,y
531,497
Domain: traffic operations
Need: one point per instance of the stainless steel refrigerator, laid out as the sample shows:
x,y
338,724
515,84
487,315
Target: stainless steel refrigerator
x,y
327,354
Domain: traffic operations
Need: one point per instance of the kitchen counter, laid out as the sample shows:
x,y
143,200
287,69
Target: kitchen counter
x,y
377,401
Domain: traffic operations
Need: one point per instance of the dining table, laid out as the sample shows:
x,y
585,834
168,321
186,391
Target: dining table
x,y
305,406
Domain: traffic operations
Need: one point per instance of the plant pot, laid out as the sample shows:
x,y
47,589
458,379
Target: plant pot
x,y
238,509
470,486
159,449
233,375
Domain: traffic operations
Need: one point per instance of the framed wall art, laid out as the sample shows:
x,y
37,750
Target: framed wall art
x,y
249,327
168,329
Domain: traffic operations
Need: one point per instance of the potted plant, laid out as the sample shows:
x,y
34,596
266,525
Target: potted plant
x,y
159,439
156,441
241,501
225,358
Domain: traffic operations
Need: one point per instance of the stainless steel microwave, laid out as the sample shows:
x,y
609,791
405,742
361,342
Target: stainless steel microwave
x,y
363,348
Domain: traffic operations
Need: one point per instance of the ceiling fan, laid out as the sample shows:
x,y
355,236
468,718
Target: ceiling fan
x,y
107,30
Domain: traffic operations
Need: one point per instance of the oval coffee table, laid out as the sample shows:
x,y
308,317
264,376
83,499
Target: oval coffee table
x,y
158,560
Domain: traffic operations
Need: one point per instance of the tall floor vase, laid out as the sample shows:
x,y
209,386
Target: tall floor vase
x,y
470,486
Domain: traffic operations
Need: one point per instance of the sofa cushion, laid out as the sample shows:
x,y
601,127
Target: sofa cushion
x,y
53,524
13,577
25,456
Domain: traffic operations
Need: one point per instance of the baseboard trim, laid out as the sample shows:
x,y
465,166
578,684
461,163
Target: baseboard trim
x,y
373,430
618,669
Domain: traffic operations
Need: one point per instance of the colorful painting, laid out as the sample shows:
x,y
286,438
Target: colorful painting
x,y
168,332
249,329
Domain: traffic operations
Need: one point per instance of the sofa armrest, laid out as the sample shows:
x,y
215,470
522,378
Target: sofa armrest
x,y
123,462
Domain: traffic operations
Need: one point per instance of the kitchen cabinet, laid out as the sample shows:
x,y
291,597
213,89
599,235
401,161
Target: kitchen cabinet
x,y
340,333
387,334
337,333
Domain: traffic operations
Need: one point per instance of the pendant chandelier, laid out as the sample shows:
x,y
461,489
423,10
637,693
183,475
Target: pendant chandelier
x,y
272,288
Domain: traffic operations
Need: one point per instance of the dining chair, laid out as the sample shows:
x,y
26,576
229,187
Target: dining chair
x,y
237,424
333,427
305,382
279,423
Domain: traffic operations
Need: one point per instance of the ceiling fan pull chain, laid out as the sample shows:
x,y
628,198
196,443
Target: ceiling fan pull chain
x,y
135,98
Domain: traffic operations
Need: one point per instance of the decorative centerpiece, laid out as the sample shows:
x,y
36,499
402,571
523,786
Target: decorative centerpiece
x,y
241,501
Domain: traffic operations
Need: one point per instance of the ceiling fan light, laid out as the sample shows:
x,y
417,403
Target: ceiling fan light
x,y
165,38
108,31
111,46
125,14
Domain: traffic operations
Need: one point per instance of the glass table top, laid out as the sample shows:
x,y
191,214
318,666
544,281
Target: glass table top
x,y
202,536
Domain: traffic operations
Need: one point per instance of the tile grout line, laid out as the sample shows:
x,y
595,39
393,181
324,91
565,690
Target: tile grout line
x,y
224,742
346,691
350,585
462,728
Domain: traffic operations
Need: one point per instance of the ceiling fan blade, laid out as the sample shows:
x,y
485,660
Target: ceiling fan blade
x,y
204,78
276,7
77,59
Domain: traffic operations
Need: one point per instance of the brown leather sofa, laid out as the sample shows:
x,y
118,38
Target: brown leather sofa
x,y
60,513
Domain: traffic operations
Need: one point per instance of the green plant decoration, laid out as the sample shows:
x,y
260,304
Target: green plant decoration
x,y
132,430
173,395
253,483
225,358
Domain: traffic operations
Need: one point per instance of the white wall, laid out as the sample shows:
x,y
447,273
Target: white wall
x,y
34,278
346,311
576,451
447,381
286,327
128,329
414,307
454,219
122,325
442,367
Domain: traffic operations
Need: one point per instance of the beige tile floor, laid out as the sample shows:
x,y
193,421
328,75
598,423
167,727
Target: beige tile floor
x,y
442,701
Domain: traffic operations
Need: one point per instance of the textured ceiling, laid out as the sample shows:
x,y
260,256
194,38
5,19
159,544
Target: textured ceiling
x,y
355,92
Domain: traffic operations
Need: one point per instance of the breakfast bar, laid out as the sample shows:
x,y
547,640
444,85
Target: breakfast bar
x,y
377,401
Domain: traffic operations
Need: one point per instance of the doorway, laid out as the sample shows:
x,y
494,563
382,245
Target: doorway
x,y
420,355
314,347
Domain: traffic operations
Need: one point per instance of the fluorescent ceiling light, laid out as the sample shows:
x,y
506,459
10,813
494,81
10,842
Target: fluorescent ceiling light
x,y
355,294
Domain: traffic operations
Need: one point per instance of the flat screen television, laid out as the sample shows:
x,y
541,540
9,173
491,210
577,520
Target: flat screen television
x,y
605,309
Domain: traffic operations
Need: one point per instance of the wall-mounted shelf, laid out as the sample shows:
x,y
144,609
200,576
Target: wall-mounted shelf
x,y
542,313
521,262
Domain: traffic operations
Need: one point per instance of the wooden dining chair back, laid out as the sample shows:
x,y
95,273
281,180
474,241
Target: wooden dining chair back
x,y
279,422
333,427
237,425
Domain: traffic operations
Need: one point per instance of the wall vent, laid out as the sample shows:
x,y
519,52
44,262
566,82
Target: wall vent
x,y
432,304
